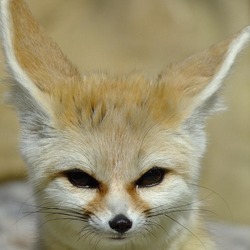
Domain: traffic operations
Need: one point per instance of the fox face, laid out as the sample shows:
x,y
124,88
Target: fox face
x,y
112,167
114,160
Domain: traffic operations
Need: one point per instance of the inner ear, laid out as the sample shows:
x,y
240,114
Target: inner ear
x,y
194,83
34,59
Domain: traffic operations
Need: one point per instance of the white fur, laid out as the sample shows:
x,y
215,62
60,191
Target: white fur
x,y
18,73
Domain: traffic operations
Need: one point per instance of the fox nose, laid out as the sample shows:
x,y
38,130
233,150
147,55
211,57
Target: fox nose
x,y
120,223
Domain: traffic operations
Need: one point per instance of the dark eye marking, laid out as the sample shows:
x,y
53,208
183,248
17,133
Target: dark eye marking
x,y
80,179
151,178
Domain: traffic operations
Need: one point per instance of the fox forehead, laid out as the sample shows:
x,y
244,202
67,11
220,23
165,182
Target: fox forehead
x,y
102,99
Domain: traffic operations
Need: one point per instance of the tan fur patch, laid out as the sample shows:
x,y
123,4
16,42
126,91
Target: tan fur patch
x,y
95,100
138,203
97,204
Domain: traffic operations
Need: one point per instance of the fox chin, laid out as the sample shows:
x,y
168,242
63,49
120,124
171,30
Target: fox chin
x,y
114,160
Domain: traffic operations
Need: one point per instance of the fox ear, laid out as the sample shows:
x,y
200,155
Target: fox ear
x,y
34,60
195,82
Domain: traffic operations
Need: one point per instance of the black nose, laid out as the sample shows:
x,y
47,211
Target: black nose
x,y
120,223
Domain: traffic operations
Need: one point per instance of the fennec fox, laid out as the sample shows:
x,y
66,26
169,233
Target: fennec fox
x,y
114,160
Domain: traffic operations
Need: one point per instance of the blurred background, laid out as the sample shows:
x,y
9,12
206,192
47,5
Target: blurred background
x,y
120,36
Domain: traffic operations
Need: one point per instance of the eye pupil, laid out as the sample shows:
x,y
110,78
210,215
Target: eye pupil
x,y
151,178
81,179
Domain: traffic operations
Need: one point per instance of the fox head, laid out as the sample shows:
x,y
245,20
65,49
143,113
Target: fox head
x,y
113,159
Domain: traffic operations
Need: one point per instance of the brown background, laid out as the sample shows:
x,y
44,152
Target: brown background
x,y
144,34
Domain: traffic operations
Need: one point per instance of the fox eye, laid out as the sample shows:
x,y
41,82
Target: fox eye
x,y
81,179
151,178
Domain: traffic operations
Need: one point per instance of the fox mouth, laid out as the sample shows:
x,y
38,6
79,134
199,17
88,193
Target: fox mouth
x,y
118,237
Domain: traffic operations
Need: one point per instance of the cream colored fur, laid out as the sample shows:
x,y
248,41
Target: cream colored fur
x,y
115,128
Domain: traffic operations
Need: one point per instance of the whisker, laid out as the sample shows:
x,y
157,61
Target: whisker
x,y
153,223
186,229
148,211
167,211
58,219
218,195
